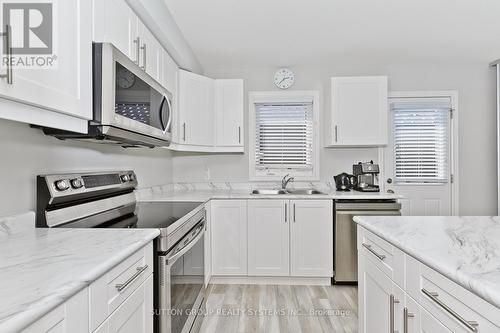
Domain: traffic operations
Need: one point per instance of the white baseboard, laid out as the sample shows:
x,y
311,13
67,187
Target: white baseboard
x,y
285,280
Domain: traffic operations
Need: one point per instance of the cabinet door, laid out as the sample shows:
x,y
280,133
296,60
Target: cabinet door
x,y
208,244
229,237
268,237
170,74
151,53
229,112
115,22
311,238
72,316
196,109
381,302
66,86
359,111
135,315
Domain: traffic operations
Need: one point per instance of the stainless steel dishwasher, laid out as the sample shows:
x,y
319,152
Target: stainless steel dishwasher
x,y
345,235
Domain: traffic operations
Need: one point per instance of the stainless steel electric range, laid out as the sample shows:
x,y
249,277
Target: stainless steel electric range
x,y
107,200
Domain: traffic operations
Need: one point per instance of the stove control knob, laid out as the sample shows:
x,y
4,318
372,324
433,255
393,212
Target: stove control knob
x,y
124,178
76,183
62,185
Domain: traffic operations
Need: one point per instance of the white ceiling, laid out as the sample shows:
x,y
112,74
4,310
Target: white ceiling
x,y
250,33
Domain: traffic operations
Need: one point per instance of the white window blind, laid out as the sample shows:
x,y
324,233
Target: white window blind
x,y
421,141
284,135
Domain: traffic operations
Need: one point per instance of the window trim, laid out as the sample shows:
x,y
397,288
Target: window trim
x,y
297,96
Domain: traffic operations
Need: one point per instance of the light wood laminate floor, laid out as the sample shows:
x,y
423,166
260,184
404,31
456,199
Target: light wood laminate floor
x,y
272,308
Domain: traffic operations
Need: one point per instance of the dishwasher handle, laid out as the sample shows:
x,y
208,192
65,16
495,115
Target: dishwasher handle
x,y
369,206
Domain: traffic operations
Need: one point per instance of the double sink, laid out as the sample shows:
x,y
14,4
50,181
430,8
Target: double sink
x,y
292,192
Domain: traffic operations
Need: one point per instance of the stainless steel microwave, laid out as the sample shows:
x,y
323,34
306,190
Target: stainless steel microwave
x,y
130,108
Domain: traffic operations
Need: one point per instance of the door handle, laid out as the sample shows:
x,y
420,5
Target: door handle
x,y
286,212
239,134
294,213
369,248
406,315
143,48
392,301
184,131
8,48
137,41
138,272
336,133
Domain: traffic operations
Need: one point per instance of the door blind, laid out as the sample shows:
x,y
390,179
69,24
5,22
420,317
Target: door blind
x,y
284,135
421,141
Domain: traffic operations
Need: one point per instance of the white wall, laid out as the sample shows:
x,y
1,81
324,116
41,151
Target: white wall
x,y
476,86
25,152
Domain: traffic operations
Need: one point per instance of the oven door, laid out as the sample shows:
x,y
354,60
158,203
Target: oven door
x,y
126,97
181,290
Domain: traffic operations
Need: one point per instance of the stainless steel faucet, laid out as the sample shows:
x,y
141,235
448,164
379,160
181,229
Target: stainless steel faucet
x,y
284,182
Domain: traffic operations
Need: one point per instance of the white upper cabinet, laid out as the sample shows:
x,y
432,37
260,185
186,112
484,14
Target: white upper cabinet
x,y
63,88
151,52
209,114
170,73
311,244
229,113
115,22
359,111
195,110
268,238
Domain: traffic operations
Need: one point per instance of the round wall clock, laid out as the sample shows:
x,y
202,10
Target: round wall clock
x,y
284,78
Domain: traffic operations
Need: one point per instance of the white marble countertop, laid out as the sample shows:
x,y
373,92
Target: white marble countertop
x,y
42,268
464,249
203,195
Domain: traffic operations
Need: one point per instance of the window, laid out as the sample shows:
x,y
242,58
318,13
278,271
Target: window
x,y
421,141
284,129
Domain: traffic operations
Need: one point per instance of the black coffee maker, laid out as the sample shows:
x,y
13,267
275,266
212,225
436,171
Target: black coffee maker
x,y
345,181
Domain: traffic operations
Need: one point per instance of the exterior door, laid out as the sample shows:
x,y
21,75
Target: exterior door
x,y
268,238
418,159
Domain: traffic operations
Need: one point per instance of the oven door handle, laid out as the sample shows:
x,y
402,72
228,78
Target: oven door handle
x,y
171,259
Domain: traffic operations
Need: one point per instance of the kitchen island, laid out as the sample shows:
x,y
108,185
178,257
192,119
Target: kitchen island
x,y
436,274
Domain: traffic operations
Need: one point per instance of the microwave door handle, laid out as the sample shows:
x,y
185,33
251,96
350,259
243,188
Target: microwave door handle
x,y
169,106
160,110
173,258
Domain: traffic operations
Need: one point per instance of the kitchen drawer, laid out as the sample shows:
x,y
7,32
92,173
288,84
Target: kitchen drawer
x,y
448,302
388,258
106,294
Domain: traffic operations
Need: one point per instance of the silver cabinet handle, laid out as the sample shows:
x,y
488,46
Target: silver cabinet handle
x,y
143,48
336,134
8,48
124,285
184,131
294,220
137,43
239,134
286,212
369,248
471,325
392,301
406,315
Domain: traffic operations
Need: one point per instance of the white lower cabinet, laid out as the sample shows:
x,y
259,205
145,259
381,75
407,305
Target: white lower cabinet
x,y
268,238
430,302
72,316
311,238
229,237
276,238
135,314
119,301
